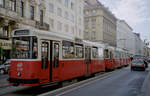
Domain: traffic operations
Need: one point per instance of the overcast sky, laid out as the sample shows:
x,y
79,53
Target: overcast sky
x,y
135,12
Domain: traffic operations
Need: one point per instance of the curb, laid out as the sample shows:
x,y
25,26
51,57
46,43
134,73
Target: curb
x,y
146,86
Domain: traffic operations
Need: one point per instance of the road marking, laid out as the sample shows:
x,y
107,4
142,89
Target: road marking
x,y
100,77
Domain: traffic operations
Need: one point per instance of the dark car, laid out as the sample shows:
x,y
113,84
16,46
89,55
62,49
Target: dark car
x,y
138,64
4,68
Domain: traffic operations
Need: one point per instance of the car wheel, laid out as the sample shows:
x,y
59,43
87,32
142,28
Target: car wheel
x,y
143,69
2,71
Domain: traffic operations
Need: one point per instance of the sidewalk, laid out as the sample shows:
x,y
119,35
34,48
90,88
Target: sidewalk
x,y
146,86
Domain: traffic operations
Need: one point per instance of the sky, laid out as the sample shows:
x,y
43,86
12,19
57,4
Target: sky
x,y
135,12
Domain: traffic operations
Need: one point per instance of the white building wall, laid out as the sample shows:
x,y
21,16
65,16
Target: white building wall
x,y
71,20
125,37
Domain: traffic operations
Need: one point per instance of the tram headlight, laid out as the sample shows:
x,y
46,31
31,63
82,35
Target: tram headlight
x,y
19,74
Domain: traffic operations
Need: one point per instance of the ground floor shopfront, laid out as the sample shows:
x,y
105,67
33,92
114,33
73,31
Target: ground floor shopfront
x,y
5,50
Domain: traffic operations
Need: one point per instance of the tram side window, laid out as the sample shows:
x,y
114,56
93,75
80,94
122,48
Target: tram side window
x,y
24,48
56,55
95,52
117,53
79,51
68,50
111,56
87,55
100,52
44,53
106,53
34,48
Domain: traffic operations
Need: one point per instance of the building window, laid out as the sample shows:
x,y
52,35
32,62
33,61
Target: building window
x,y
72,30
80,21
72,5
21,8
41,17
66,28
80,32
4,32
93,22
86,23
60,1
86,35
59,26
66,15
12,5
72,18
86,13
2,3
32,12
93,35
93,12
66,3
80,10
51,8
59,12
52,23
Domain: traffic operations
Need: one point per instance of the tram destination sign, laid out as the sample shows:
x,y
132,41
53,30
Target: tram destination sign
x,y
21,32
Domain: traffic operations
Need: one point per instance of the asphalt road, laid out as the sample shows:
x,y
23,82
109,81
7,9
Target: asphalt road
x,y
121,83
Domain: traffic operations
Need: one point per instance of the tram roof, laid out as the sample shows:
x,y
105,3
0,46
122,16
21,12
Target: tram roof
x,y
35,32
99,44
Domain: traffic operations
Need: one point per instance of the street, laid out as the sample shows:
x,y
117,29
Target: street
x,y
121,82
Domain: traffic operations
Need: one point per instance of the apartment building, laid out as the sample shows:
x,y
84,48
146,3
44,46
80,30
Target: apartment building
x,y
61,16
66,17
100,23
130,41
125,36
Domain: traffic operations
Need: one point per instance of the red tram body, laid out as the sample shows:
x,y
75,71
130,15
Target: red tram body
x,y
42,57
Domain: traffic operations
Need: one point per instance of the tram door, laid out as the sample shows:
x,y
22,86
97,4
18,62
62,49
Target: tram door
x,y
55,60
45,49
88,58
49,60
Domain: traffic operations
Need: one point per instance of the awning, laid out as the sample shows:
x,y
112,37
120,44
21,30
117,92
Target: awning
x,y
5,44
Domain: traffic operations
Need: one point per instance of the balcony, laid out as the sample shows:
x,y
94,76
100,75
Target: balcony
x,y
42,26
8,13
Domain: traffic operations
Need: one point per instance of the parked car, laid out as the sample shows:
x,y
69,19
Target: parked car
x,y
148,60
4,68
138,64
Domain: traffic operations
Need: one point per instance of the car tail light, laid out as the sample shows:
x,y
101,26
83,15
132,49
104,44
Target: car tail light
x,y
143,65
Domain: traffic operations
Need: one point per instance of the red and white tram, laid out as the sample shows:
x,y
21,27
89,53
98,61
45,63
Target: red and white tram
x,y
42,57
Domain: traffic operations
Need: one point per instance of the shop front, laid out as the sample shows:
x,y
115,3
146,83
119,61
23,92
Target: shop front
x,y
5,49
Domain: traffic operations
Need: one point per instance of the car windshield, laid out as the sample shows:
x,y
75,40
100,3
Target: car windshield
x,y
137,61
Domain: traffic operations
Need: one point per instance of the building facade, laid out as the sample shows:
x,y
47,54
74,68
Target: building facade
x,y
100,23
62,16
66,17
125,37
130,41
